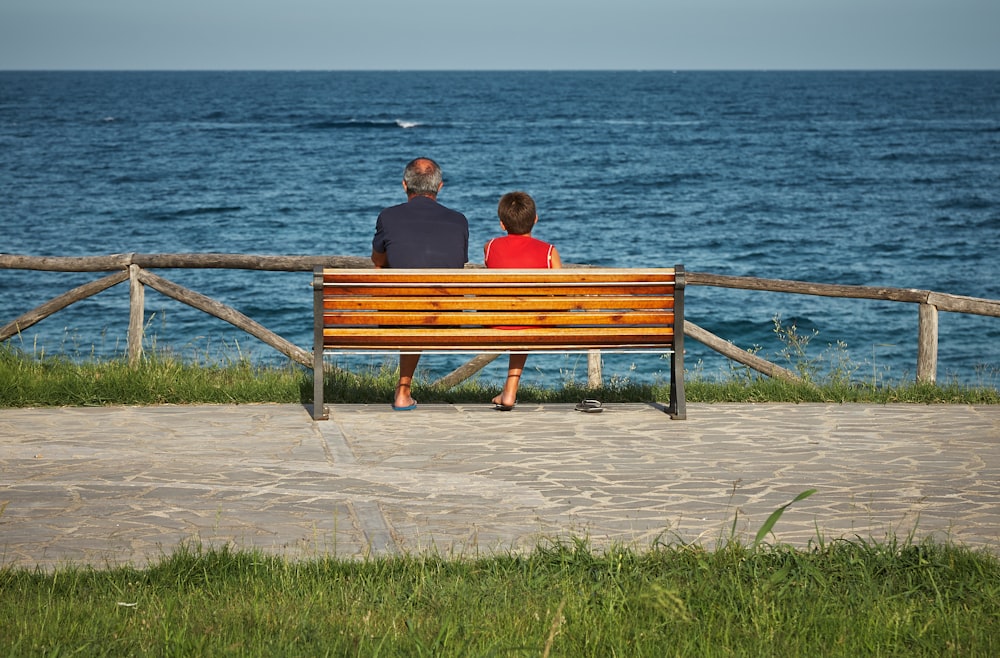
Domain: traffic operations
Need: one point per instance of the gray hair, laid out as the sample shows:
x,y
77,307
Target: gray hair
x,y
422,176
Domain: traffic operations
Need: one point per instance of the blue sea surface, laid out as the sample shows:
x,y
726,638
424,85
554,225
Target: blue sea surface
x,y
869,178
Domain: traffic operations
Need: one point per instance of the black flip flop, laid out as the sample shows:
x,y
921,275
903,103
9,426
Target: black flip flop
x,y
590,406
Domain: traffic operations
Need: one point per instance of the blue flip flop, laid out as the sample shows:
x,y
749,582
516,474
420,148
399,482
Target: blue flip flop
x,y
409,407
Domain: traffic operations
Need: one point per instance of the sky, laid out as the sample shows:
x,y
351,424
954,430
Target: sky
x,y
498,34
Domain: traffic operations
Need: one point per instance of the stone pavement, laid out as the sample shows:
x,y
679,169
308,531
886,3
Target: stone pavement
x,y
117,485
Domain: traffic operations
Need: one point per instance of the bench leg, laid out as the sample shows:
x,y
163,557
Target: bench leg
x,y
319,410
678,404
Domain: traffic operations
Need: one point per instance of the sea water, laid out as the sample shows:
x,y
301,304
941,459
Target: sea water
x,y
867,178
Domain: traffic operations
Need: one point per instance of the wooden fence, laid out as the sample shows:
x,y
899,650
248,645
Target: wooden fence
x,y
135,268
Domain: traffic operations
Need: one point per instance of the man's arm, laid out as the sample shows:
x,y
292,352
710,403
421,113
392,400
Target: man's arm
x,y
380,259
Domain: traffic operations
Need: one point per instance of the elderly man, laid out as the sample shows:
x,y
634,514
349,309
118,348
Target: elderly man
x,y
420,233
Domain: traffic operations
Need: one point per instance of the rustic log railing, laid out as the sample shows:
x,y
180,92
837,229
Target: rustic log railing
x,y
134,268
930,303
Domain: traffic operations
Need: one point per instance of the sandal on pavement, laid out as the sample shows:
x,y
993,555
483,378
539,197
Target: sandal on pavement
x,y
590,406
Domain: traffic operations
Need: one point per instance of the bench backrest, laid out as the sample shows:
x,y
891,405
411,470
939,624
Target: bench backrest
x,y
486,310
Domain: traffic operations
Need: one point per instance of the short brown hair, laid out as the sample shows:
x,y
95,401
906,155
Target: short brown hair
x,y
517,212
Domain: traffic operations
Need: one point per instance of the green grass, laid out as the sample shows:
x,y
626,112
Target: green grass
x,y
845,598
29,380
838,598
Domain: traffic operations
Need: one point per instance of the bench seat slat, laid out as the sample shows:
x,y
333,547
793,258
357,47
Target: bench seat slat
x,y
465,338
506,348
506,318
439,276
444,342
521,302
456,333
502,290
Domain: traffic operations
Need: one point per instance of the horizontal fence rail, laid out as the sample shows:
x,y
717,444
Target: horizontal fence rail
x,y
134,267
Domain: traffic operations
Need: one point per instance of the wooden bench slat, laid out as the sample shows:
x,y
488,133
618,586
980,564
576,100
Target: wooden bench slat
x,y
461,336
540,289
438,276
499,318
361,303
487,347
458,340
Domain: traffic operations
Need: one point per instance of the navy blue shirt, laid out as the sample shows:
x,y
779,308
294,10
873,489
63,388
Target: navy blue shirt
x,y
422,233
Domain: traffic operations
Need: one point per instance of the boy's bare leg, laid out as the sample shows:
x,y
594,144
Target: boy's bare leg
x,y
508,397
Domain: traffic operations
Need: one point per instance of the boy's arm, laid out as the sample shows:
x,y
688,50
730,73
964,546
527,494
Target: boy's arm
x,y
555,263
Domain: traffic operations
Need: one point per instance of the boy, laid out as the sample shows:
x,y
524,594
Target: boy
x,y
514,251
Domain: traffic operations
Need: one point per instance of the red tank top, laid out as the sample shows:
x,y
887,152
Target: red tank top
x,y
518,251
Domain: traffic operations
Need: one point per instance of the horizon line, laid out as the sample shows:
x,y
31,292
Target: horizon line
x,y
510,70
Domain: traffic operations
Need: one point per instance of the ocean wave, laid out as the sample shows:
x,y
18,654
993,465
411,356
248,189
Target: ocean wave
x,y
362,124
136,179
652,122
972,202
194,212
924,157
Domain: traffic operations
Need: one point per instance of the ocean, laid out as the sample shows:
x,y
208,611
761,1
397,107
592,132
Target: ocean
x,y
868,178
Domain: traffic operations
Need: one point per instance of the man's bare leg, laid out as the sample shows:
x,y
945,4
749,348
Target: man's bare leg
x,y
407,366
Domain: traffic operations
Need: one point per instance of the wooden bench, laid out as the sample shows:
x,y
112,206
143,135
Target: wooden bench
x,y
372,311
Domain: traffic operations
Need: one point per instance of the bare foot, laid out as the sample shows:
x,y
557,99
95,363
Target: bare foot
x,y
499,403
403,401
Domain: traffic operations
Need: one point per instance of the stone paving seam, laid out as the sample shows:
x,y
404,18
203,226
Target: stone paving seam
x,y
377,531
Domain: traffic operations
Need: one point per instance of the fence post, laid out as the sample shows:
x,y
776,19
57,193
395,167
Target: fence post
x,y
595,378
927,344
136,315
